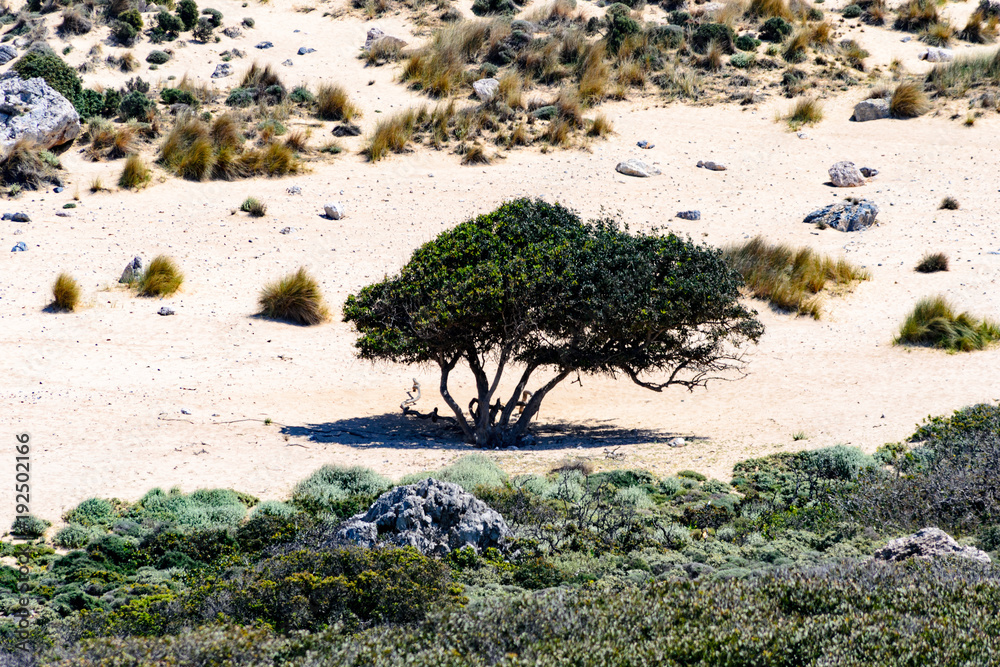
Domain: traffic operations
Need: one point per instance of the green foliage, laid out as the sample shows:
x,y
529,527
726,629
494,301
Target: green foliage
x,y
54,70
187,11
92,512
214,16
494,7
135,106
157,57
719,33
775,29
666,36
691,474
334,490
204,508
202,30
75,536
470,472
169,23
531,278
30,526
742,60
934,323
620,27
178,96
301,95
240,98
124,33
747,43
852,11
933,262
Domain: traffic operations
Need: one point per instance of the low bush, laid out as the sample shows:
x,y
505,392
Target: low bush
x,y
718,33
339,491
747,43
295,298
168,23
469,472
65,293
333,103
136,106
187,11
494,7
255,207
935,323
74,22
949,204
775,30
161,278
933,262
178,96
29,526
157,57
92,512
852,11
74,536
916,15
135,174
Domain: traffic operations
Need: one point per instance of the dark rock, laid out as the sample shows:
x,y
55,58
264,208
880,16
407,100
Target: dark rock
x,y
928,543
868,172
265,45
852,215
305,50
165,311
287,63
132,272
17,217
222,70
19,247
689,215
346,130
58,189
433,517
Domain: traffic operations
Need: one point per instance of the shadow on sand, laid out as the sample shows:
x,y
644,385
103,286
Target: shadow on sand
x,y
394,431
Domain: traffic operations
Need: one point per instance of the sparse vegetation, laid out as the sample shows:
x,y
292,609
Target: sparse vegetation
x,y
333,103
933,262
23,165
255,207
908,100
295,298
161,278
807,111
949,204
392,135
790,278
135,173
934,323
65,293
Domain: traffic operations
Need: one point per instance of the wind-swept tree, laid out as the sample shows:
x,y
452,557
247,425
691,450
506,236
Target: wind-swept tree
x,y
532,286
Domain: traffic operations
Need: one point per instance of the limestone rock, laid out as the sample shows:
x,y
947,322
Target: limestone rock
x,y
486,89
132,272
928,543
873,109
265,45
846,175
334,210
33,110
377,37
19,247
848,216
232,32
16,217
222,70
165,310
712,166
934,54
7,53
634,167
432,516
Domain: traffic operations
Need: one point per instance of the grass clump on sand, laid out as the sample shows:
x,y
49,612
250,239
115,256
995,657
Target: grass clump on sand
x,y
933,262
956,78
65,293
24,165
335,490
135,174
162,278
392,134
807,111
949,204
333,103
255,207
790,279
294,298
934,323
908,100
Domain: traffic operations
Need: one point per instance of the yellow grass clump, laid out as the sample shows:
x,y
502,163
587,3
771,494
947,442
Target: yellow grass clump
x,y
295,298
161,278
65,293
934,323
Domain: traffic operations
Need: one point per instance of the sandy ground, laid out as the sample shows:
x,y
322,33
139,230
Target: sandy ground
x,y
101,391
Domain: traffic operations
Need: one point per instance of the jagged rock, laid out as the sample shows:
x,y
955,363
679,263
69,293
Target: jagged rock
x,y
222,70
305,50
634,167
689,215
287,63
7,53
375,36
232,32
712,166
934,54
873,109
846,175
19,247
265,45
132,272
16,217
849,216
868,172
346,130
334,210
928,543
33,110
286,230
432,516
294,190
486,89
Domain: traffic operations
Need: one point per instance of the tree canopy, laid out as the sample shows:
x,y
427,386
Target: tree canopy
x,y
532,285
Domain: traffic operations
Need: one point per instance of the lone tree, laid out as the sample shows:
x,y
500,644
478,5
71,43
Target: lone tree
x,y
532,285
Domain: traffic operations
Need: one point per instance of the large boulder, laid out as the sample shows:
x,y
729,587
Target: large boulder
x,y
486,89
432,516
934,54
634,167
33,110
846,175
873,109
376,37
854,215
928,543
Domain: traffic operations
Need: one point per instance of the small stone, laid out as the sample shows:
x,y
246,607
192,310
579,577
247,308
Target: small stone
x,y
868,172
873,109
676,442
712,166
222,70
265,45
634,167
185,411
689,215
305,50
19,247
165,311
287,230
58,189
287,63
294,190
132,272
846,175
801,135
644,144
17,232
334,210
346,130
934,54
62,214
906,39
486,88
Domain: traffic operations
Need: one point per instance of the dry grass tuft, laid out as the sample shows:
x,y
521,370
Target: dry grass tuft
x,y
25,165
934,323
909,100
790,279
295,298
391,135
949,204
65,293
600,126
135,174
938,34
333,103
765,9
807,111
476,155
162,278
255,207
932,263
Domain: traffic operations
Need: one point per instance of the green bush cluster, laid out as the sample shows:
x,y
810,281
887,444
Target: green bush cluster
x,y
178,96
775,29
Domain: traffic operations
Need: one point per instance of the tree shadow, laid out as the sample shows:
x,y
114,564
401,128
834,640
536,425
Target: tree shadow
x,y
395,431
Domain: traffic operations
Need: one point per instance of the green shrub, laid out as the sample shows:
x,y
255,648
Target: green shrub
x,y
30,526
620,27
934,323
157,57
339,491
775,29
691,474
852,11
74,536
301,95
493,7
124,33
214,16
666,36
679,17
92,512
202,30
132,17
136,106
469,472
742,60
933,262
719,33
747,43
240,98
187,11
248,22
254,207
169,23
178,96
53,69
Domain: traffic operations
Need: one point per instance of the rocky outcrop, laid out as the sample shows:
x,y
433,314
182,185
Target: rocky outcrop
x,y
846,175
934,54
7,53
132,272
33,110
873,109
634,167
928,543
849,216
432,516
712,166
376,37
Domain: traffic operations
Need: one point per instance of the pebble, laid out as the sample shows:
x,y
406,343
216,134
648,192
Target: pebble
x,y
165,311
689,215
19,247
287,230
677,442
287,63
265,45
304,50
185,411
645,144
17,232
58,189
294,190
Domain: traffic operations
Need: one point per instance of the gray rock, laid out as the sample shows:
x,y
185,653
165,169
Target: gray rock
x,y
928,543
287,230
868,172
287,63
232,32
432,516
132,272
712,166
7,53
294,190
33,110
677,442
17,232
166,311
265,45
689,215
334,210
934,54
873,109
19,247
375,38
305,50
846,175
634,167
346,130
853,215
16,217
486,89
58,189
222,70
62,214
